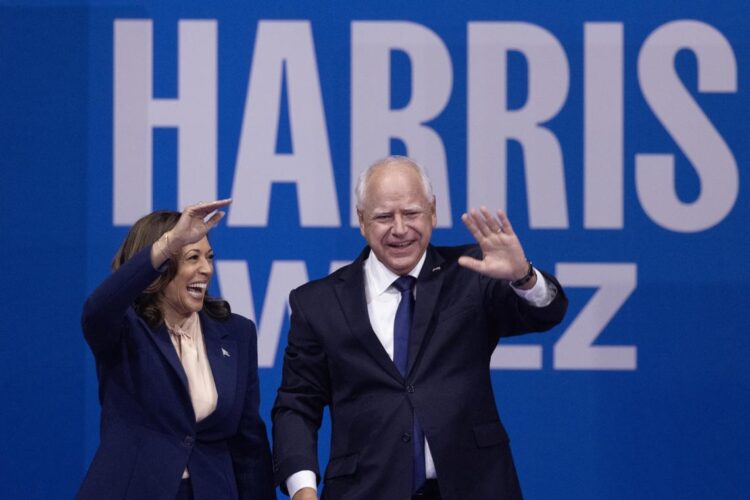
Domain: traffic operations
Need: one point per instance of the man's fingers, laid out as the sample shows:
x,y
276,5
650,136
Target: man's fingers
x,y
505,222
493,226
481,221
486,225
468,221
470,263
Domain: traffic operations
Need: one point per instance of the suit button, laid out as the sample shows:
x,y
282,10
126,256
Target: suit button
x,y
188,441
405,437
410,389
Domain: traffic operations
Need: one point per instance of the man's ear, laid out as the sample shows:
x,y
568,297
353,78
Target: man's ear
x,y
433,209
361,218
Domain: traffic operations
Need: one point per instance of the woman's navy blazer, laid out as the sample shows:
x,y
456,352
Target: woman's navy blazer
x,y
148,429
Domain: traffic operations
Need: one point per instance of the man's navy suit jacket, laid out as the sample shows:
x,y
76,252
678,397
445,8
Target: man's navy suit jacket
x,y
334,358
148,429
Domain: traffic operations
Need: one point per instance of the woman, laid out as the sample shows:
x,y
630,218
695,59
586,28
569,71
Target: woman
x,y
178,377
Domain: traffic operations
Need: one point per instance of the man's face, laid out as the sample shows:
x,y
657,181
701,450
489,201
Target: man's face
x,y
396,217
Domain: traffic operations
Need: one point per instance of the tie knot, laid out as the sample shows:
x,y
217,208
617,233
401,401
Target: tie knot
x,y
404,283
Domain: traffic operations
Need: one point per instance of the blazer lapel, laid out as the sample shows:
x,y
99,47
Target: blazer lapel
x,y
221,351
164,344
429,283
350,290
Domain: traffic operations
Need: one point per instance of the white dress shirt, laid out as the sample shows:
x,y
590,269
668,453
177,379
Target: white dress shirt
x,y
382,303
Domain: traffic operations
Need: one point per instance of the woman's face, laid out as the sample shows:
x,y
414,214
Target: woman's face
x,y
184,294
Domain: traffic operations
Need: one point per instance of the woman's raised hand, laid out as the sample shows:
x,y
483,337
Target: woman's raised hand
x,y
193,224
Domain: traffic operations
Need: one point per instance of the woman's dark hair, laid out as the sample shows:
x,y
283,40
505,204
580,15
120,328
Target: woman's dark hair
x,y
143,234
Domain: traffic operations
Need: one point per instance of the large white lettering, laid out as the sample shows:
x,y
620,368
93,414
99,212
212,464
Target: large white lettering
x,y
491,124
685,121
516,357
284,48
374,123
603,126
137,113
575,350
284,59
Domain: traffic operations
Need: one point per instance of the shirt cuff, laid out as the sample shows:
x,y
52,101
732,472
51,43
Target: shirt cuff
x,y
541,294
299,480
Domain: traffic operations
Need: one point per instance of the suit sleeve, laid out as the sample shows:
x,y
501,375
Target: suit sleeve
x,y
512,315
106,307
249,448
303,394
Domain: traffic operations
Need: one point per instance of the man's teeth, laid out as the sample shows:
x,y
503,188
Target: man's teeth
x,y
402,244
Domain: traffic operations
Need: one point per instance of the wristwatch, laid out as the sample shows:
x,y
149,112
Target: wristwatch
x,y
526,278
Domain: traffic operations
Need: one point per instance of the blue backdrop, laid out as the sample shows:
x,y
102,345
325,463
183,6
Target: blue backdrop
x,y
614,134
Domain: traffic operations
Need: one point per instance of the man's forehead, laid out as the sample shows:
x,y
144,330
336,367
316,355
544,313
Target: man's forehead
x,y
395,184
398,207
395,169
399,198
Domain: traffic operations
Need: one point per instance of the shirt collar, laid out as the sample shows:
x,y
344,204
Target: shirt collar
x,y
187,327
379,277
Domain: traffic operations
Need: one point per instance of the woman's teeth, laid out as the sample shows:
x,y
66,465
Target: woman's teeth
x,y
197,289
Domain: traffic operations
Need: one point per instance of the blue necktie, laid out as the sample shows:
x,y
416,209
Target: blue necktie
x,y
401,331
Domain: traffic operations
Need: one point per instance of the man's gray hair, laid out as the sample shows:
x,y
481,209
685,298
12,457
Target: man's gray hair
x,y
359,190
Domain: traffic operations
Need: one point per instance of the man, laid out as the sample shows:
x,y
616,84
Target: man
x,y
403,363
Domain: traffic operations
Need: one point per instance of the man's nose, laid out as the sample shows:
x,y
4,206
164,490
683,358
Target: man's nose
x,y
399,226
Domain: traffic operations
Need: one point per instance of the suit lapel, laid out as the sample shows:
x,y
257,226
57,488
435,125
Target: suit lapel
x,y
350,290
221,351
223,366
429,283
164,344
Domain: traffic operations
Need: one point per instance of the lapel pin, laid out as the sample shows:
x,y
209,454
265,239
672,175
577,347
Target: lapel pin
x,y
436,269
225,353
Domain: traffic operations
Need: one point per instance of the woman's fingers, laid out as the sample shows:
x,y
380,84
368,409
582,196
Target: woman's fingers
x,y
204,208
215,218
196,220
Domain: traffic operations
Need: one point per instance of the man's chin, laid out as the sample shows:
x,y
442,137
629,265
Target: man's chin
x,y
401,264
